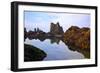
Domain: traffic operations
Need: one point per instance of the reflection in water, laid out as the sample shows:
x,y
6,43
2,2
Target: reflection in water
x,y
56,49
55,40
85,52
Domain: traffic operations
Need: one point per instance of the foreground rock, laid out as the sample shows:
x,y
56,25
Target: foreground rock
x,y
32,53
77,37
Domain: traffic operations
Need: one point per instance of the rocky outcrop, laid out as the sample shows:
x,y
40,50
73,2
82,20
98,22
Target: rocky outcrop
x,y
37,33
25,34
32,53
56,29
77,37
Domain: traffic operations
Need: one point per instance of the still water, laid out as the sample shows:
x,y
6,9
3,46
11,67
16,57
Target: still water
x,y
55,50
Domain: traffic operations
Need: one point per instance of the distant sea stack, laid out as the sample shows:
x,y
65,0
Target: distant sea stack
x,y
78,37
56,29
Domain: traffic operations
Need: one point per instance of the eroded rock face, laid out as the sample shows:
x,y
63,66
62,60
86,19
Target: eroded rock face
x,y
56,29
78,37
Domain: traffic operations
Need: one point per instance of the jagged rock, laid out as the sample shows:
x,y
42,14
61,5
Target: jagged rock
x,y
78,37
25,33
56,29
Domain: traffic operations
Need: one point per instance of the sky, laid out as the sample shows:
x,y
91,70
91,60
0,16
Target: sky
x,y
42,20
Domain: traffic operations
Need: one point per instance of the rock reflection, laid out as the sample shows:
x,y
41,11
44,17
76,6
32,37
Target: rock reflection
x,y
85,52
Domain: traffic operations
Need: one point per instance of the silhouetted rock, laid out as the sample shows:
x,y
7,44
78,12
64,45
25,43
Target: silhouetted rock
x,y
37,33
78,37
25,33
32,53
56,29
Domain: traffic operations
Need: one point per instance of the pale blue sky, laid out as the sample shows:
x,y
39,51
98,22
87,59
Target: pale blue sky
x,y
43,19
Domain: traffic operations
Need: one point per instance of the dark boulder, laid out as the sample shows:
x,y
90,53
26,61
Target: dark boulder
x,y
32,53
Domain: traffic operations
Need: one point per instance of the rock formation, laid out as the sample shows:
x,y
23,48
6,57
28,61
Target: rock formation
x,y
25,34
56,29
78,37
